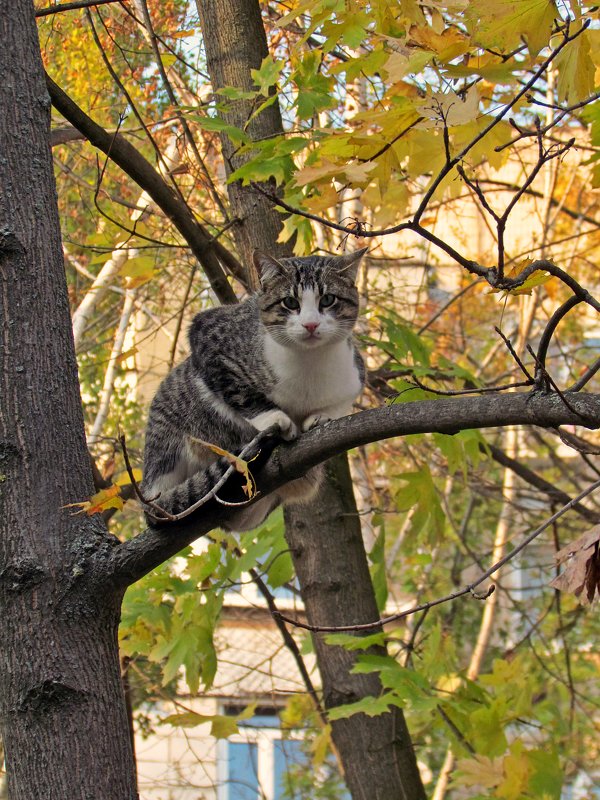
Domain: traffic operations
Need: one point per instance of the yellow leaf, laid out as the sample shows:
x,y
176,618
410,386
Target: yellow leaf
x,y
123,478
504,23
321,746
576,70
517,770
326,198
137,271
537,278
397,66
238,463
101,501
326,169
479,771
359,173
447,45
447,108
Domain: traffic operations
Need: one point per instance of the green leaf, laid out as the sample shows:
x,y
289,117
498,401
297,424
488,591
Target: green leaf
x,y
420,495
547,778
233,93
487,731
350,641
268,74
222,726
378,569
371,706
237,136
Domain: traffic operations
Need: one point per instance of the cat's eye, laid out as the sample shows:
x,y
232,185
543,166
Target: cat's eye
x,y
327,300
290,303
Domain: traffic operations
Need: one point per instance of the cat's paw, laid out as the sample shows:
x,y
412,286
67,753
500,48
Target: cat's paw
x,y
314,420
276,417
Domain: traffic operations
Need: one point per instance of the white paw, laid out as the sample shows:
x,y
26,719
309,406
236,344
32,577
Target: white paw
x,y
279,418
314,420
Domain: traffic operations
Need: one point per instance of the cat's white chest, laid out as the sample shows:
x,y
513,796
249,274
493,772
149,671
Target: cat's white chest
x,y
323,380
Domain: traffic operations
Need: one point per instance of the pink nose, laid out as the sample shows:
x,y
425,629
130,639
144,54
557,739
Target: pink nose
x,y
311,327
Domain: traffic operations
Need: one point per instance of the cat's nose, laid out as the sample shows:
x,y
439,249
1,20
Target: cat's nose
x,y
311,327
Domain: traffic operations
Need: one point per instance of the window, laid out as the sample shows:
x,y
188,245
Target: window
x,y
258,763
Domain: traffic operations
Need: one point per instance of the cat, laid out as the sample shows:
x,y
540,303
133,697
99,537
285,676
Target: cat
x,y
285,357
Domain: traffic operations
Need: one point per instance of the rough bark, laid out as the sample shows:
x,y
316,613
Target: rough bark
x,y
134,558
376,755
235,43
62,714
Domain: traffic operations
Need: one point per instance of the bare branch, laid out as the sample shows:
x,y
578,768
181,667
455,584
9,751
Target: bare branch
x,y
206,249
470,589
586,377
533,479
548,332
134,558
513,353
60,7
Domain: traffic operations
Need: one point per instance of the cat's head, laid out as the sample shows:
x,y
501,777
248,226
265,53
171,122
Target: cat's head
x,y
308,301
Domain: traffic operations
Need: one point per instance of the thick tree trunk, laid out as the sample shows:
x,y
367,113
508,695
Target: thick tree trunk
x,y
325,538
235,43
62,715
331,564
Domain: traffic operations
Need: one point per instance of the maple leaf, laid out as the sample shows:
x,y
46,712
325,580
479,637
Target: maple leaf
x,y
99,502
447,108
576,70
582,570
448,44
480,771
503,23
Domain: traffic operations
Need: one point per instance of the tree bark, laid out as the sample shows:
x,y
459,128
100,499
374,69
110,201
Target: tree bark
x,y
235,42
62,714
376,754
327,547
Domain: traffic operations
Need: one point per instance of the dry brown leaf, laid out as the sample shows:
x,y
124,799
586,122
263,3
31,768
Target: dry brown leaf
x,y
581,575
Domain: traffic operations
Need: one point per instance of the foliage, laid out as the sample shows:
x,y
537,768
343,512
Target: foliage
x,y
427,117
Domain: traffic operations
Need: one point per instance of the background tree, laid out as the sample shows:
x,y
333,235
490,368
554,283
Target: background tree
x,y
395,113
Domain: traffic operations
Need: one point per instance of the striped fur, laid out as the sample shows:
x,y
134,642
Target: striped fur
x,y
285,356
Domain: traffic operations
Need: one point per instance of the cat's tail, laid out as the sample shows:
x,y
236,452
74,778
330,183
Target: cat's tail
x,y
219,480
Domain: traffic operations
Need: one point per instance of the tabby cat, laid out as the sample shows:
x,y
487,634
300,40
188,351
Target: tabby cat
x,y
285,357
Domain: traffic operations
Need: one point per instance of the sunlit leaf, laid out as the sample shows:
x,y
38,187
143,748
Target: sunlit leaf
x,y
99,502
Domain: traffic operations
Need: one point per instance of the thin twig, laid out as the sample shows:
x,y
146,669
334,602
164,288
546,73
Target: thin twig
x,y
513,353
586,377
454,595
474,390
543,373
163,515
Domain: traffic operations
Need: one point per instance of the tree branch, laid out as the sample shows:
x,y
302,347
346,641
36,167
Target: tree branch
x,y
205,247
533,479
468,589
131,560
56,9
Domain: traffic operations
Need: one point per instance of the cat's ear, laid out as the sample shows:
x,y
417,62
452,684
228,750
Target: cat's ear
x,y
348,264
267,267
